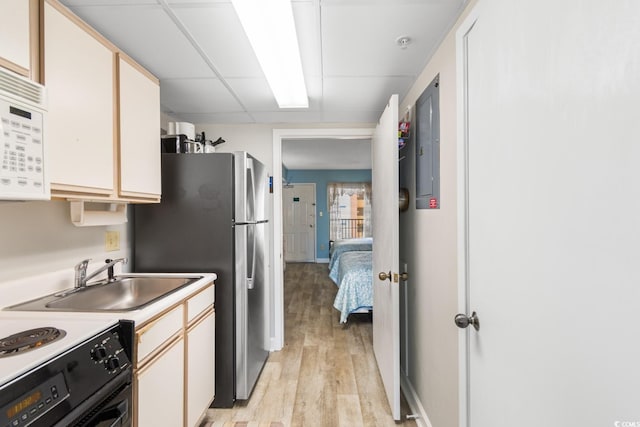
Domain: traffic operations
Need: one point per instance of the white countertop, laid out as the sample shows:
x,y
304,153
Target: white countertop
x,y
78,325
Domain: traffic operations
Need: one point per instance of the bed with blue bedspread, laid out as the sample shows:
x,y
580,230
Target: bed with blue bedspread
x,y
346,245
354,278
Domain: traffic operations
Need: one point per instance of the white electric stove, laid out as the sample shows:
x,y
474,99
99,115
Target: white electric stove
x,y
57,370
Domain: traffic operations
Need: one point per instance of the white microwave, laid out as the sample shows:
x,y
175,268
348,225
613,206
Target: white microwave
x,y
23,169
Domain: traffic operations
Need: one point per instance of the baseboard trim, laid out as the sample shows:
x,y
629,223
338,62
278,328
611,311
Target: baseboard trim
x,y
322,260
275,344
422,420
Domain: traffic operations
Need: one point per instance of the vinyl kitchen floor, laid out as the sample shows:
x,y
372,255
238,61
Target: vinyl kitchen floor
x,y
325,375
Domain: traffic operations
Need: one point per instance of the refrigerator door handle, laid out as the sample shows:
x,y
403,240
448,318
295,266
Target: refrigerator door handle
x,y
251,191
251,254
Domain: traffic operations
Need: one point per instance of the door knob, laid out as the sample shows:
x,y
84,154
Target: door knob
x,y
404,276
384,276
463,321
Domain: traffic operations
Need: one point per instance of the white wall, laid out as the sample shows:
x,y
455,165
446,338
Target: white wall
x,y
254,139
428,245
257,139
38,237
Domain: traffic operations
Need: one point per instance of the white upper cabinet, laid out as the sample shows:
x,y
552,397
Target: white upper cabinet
x,y
103,125
79,77
18,36
139,130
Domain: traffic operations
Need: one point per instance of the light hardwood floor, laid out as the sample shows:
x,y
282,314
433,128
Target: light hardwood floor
x,y
326,375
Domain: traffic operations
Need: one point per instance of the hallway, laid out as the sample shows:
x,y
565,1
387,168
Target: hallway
x,y
325,375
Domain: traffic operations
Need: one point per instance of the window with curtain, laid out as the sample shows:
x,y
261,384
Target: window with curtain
x,y
349,210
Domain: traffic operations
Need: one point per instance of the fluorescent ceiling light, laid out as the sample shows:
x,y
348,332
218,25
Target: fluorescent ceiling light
x,y
272,33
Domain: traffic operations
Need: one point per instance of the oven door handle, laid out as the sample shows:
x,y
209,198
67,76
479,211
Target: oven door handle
x,y
117,414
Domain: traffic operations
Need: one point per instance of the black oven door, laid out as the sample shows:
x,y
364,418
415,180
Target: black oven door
x,y
111,406
117,414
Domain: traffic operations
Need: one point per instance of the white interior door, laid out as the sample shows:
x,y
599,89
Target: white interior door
x,y
549,171
385,218
299,227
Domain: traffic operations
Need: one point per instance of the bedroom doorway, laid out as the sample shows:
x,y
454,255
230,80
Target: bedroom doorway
x,y
386,136
287,135
299,222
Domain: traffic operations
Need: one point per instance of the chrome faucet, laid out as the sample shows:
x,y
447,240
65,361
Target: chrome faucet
x,y
81,277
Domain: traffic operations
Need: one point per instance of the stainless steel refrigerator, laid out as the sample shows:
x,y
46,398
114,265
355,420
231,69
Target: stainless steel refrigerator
x,y
212,218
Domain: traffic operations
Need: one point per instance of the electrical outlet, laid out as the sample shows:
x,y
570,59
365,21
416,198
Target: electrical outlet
x,y
320,213
322,246
112,241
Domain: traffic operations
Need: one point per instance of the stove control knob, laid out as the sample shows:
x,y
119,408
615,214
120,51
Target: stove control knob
x,y
99,353
112,363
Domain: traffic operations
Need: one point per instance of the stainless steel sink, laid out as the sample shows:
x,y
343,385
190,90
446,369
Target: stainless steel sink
x,y
126,293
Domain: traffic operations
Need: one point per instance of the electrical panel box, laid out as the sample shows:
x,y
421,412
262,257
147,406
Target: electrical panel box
x,y
427,144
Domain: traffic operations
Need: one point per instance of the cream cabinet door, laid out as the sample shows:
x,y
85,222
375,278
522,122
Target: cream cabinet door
x,y
139,131
79,76
201,372
160,389
15,46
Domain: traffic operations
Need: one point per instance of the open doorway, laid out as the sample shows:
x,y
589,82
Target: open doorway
x,y
304,142
337,167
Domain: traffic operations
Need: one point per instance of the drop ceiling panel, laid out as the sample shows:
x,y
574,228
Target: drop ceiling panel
x,y
307,17
315,91
147,34
217,30
376,3
107,2
287,116
360,40
353,116
209,74
254,93
183,2
197,96
362,93
216,118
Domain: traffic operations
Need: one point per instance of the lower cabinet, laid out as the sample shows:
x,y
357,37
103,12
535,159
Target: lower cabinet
x,y
200,367
160,389
175,364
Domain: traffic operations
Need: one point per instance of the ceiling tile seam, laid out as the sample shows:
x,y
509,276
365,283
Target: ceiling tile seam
x,y
207,60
